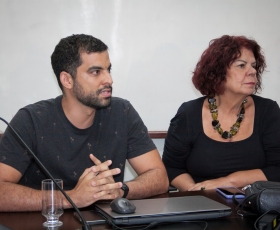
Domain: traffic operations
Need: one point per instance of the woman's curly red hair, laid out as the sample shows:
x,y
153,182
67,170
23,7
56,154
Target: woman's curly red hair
x,y
210,72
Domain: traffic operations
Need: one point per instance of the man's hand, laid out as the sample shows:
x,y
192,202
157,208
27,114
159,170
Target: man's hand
x,y
102,178
94,184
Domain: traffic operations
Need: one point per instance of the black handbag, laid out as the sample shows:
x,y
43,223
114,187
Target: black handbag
x,y
260,197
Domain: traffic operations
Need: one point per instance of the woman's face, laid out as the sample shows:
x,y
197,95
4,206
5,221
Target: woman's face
x,y
241,75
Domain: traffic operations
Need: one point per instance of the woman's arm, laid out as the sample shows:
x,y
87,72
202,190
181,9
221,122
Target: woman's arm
x,y
236,179
176,149
270,138
183,182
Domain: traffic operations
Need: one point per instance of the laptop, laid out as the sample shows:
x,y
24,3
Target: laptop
x,y
163,210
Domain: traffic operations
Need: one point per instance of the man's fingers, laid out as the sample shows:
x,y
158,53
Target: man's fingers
x,y
87,172
103,181
110,187
106,189
95,160
101,167
105,177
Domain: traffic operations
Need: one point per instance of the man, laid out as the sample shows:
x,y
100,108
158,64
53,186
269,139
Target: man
x,y
82,137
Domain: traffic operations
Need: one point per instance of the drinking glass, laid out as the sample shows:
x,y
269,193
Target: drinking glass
x,y
52,207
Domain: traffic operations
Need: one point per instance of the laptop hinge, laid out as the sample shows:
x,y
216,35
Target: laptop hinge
x,y
125,221
222,213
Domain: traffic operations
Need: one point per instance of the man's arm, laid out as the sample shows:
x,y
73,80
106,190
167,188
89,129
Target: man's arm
x,y
152,177
15,197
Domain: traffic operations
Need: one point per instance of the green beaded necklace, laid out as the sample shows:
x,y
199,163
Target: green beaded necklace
x,y
215,123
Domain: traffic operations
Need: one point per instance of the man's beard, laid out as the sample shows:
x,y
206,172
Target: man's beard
x,y
91,99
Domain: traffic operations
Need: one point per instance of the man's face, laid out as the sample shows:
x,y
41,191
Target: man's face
x,y
93,83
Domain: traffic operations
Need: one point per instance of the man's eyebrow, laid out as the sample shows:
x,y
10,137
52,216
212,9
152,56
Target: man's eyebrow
x,y
98,68
95,68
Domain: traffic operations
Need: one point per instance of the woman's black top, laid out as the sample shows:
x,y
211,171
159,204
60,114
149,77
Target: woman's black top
x,y
188,150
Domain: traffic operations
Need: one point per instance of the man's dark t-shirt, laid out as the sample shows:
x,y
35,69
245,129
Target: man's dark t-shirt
x,y
116,134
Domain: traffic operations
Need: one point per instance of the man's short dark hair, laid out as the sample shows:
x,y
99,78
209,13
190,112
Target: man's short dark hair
x,y
66,56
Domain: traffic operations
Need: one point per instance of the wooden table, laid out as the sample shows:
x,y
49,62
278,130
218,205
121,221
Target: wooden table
x,y
34,220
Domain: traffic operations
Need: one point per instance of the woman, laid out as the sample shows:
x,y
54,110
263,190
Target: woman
x,y
207,145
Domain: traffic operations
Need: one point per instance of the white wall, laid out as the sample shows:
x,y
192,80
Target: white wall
x,y
153,44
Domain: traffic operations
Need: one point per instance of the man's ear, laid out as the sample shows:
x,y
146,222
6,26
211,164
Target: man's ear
x,y
66,80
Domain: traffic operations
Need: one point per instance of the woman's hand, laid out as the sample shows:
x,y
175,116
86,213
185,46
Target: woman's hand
x,y
211,184
236,179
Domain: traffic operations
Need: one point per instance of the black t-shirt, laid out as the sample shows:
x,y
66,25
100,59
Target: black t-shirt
x,y
188,150
116,134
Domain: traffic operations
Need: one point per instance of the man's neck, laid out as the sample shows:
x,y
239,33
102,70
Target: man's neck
x,y
79,115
